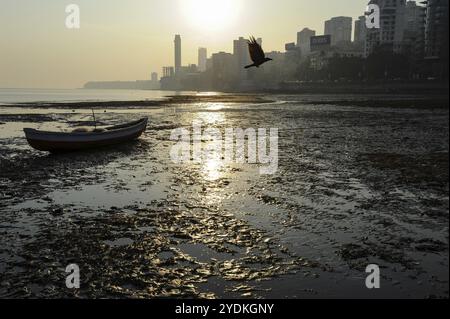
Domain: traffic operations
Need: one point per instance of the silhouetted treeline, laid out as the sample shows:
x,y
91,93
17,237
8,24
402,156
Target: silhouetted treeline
x,y
381,65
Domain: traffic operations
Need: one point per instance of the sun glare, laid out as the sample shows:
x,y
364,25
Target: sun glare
x,y
210,14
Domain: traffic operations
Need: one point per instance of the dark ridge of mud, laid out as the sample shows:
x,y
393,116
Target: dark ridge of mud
x,y
429,168
358,255
416,103
91,105
31,118
170,100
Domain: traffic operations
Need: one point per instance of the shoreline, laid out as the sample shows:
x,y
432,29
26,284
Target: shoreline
x,y
331,87
169,100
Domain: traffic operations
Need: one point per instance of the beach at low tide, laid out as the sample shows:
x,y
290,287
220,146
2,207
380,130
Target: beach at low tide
x,y
361,180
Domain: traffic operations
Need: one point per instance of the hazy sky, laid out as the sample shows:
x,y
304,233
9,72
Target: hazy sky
x,y
129,39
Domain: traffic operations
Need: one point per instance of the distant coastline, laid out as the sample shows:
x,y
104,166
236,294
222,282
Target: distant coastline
x,y
297,87
122,85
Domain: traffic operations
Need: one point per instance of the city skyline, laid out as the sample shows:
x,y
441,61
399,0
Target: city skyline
x,y
47,55
404,46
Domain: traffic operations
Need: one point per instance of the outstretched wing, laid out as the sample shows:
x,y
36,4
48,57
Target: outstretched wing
x,y
256,52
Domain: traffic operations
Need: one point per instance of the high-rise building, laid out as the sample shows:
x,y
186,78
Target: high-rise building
x,y
304,40
436,29
223,70
177,54
414,16
290,46
360,31
241,56
154,77
414,32
320,43
168,71
392,26
340,29
209,64
202,57
436,38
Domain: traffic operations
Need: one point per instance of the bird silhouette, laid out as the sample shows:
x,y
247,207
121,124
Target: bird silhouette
x,y
256,53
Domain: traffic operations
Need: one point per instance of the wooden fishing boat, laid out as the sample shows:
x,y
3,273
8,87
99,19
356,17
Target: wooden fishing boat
x,y
56,142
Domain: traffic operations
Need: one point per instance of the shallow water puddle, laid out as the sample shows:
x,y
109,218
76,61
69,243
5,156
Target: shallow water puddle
x,y
100,196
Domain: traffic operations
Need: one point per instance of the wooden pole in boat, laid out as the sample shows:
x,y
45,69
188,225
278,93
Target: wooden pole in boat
x,y
95,121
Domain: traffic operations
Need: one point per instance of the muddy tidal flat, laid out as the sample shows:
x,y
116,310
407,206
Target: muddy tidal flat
x,y
361,180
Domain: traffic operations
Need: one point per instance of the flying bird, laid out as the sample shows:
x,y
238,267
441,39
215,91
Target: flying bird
x,y
256,53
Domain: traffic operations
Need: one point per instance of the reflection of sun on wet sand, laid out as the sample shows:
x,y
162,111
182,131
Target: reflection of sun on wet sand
x,y
212,118
212,169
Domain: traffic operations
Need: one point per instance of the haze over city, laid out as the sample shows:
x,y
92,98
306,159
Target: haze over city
x,y
121,40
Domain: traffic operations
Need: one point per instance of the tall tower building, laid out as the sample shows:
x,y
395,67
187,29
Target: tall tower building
x,y
304,40
177,54
223,73
340,29
392,26
436,38
436,29
202,58
241,56
360,31
414,33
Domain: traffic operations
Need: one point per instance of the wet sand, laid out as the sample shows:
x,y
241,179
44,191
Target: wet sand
x,y
362,180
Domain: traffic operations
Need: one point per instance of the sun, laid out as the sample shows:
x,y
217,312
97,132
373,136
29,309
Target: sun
x,y
210,14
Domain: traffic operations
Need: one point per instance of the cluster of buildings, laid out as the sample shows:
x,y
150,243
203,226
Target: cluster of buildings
x,y
419,31
221,70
